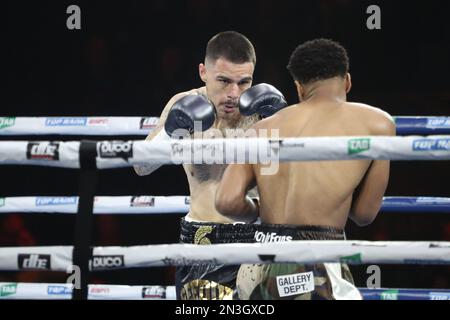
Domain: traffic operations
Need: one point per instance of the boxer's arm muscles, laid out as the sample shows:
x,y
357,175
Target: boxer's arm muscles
x,y
368,196
143,169
231,196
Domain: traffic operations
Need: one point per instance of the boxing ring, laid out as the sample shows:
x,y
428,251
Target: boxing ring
x,y
90,156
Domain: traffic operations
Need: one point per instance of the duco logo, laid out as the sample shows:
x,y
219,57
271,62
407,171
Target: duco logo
x,y
6,122
116,149
358,145
8,289
107,262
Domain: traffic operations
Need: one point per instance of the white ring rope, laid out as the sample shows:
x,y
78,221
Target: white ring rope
x,y
112,126
179,204
114,154
59,258
102,126
102,205
63,291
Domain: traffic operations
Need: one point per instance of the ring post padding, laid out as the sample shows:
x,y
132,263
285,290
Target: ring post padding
x,y
82,251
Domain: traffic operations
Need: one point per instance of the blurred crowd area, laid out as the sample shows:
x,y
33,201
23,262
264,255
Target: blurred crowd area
x,y
130,58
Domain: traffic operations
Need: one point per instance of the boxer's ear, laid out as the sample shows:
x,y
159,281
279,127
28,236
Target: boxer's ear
x,y
300,90
202,72
348,82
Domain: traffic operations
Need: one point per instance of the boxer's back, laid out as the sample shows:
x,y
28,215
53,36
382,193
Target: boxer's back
x,y
317,192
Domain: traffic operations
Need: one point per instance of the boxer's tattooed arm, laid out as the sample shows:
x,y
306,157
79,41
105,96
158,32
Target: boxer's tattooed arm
x,y
208,172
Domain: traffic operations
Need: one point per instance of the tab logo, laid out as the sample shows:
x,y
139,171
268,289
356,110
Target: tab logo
x,y
6,122
389,295
107,262
148,123
8,289
116,149
358,145
431,145
55,201
34,261
142,201
43,151
154,292
66,122
356,258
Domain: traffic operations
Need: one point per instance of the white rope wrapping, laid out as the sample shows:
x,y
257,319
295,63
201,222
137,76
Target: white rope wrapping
x,y
178,204
102,205
253,150
81,125
102,126
63,291
59,258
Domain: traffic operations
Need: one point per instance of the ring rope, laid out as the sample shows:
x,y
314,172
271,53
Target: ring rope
x,y
180,204
113,126
59,258
114,154
63,291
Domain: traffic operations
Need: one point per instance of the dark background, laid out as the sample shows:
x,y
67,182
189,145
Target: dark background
x,y
130,57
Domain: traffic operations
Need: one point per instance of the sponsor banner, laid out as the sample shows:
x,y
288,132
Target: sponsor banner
x,y
107,262
65,121
34,261
43,151
55,201
6,122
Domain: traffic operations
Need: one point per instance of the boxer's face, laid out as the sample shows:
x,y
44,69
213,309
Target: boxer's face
x,y
225,81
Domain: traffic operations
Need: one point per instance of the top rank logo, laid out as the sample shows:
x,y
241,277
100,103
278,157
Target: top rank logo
x,y
116,149
65,122
43,150
441,144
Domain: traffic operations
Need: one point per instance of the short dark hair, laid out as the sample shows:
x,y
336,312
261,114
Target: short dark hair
x,y
318,59
232,46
